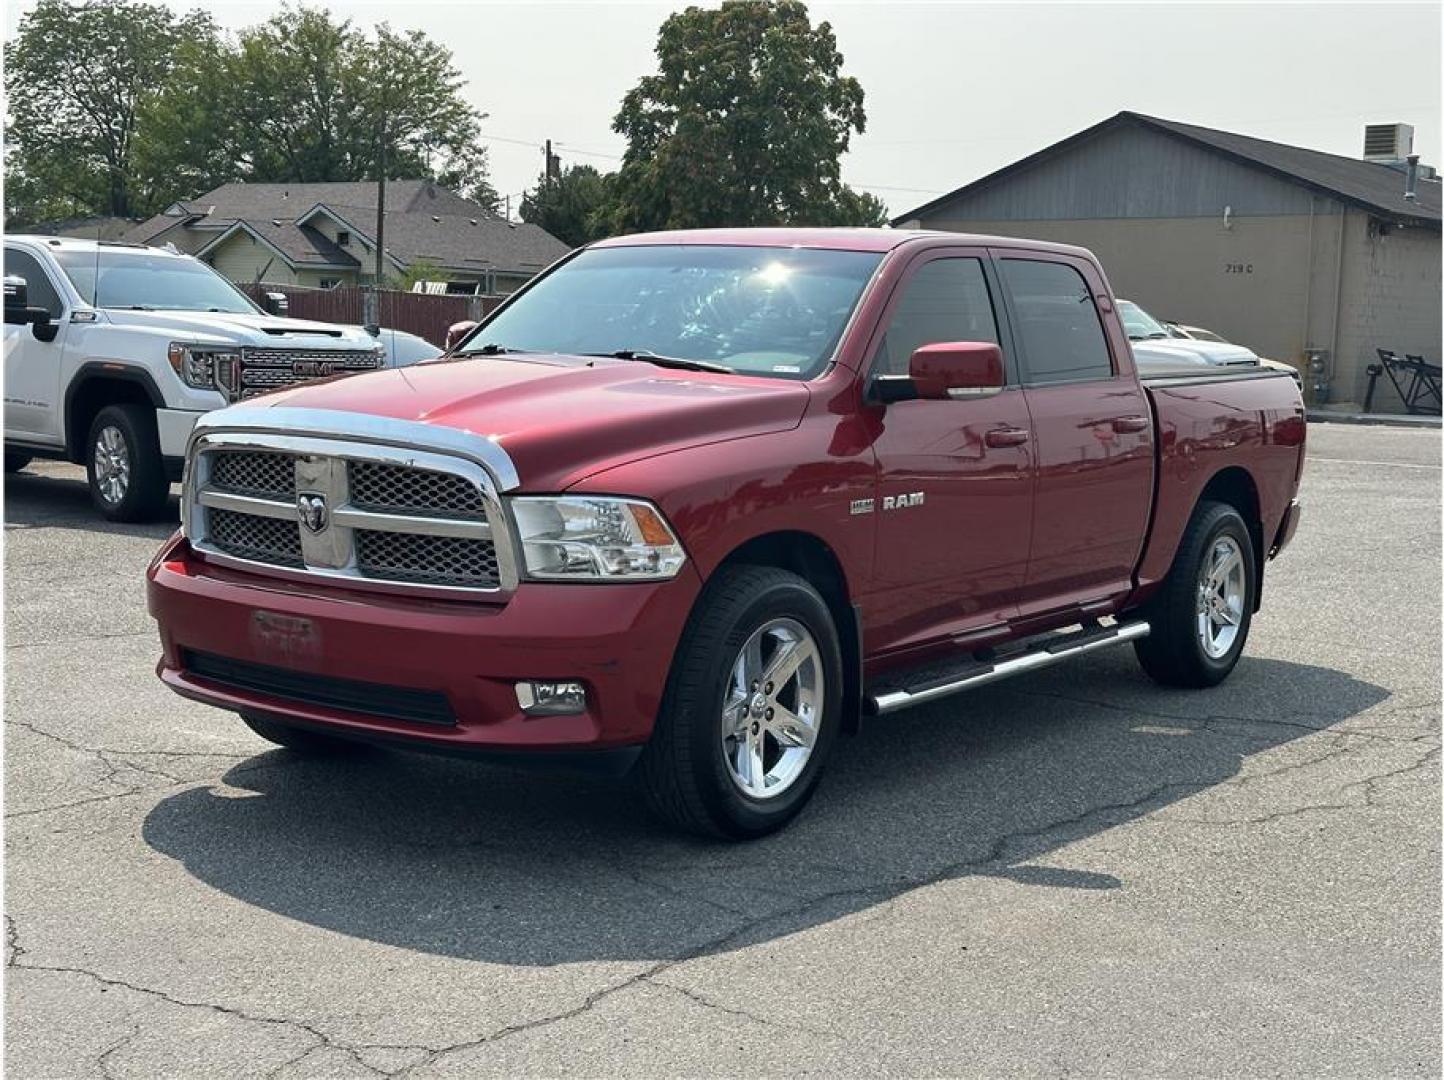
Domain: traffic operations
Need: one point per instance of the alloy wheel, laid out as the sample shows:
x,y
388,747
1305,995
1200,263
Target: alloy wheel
x,y
772,707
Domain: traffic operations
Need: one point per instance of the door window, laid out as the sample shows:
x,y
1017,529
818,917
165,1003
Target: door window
x,y
1058,325
41,292
946,300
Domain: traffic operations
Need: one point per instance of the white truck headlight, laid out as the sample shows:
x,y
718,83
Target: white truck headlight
x,y
205,368
587,538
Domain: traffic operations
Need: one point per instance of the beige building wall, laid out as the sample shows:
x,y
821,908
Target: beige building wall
x,y
1278,284
1389,299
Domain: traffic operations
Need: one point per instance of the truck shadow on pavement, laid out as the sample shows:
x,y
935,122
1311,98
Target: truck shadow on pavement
x,y
467,860
60,499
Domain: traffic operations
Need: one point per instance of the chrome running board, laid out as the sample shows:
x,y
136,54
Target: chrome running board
x,y
934,685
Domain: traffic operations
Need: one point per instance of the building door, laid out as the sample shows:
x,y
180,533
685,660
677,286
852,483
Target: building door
x,y
955,478
1093,429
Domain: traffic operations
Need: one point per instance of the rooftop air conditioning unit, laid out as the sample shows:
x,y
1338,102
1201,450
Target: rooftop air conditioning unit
x,y
1388,142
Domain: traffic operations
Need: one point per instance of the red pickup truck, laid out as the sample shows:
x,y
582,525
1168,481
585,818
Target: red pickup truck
x,y
693,504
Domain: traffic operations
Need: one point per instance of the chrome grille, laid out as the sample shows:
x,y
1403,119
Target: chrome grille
x,y
254,472
262,539
375,515
448,560
399,489
266,369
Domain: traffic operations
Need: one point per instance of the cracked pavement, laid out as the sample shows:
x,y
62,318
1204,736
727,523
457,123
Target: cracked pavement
x,y
1075,872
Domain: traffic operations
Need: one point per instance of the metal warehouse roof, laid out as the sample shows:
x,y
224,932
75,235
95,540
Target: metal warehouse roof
x,y
1366,184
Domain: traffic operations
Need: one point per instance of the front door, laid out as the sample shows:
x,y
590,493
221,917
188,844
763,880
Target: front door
x,y
1093,428
955,478
32,366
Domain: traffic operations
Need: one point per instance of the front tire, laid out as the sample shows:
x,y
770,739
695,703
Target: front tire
x,y
123,463
298,739
752,707
1201,614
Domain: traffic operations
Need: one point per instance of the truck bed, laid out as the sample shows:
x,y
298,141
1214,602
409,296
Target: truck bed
x,y
1248,423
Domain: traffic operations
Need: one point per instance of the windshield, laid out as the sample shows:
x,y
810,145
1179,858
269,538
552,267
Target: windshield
x,y
117,278
1140,325
758,310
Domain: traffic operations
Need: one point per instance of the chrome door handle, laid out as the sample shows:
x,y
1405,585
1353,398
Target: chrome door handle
x,y
1131,425
1008,436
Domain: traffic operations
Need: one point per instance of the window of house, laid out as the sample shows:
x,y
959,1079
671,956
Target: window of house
x,y
343,237
330,282
946,300
462,288
1058,325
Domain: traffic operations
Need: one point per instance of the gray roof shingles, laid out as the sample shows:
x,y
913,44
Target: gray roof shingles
x,y
423,222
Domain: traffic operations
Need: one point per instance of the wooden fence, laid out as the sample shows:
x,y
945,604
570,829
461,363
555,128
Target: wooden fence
x,y
422,314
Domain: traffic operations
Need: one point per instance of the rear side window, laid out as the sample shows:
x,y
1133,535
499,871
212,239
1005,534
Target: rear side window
x,y
41,293
945,300
1058,325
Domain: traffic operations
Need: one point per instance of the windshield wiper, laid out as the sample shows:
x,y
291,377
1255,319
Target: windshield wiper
x,y
489,349
679,362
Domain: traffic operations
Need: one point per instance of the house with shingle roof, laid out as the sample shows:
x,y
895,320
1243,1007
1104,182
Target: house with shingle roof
x,y
323,235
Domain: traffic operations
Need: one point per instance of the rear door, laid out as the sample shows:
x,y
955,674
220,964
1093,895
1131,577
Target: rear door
x,y
1093,432
955,477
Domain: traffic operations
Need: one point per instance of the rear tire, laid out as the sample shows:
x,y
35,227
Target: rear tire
x,y
298,739
123,463
728,758
15,462
1201,615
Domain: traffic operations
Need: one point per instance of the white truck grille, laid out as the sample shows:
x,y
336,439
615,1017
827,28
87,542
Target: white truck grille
x,y
374,516
265,369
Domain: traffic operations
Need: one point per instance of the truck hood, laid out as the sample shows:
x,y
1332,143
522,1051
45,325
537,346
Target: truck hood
x,y
1184,350
243,328
562,418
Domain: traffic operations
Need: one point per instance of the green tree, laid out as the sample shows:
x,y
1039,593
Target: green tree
x,y
122,108
78,76
574,207
744,124
305,97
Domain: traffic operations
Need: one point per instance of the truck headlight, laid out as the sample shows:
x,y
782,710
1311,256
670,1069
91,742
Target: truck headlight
x,y
205,368
582,538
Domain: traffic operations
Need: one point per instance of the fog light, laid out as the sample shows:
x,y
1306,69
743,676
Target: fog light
x,y
551,698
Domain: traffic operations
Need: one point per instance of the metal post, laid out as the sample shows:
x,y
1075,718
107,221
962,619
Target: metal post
x,y
381,207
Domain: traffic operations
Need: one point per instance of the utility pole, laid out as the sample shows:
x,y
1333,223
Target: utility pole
x,y
381,203
553,170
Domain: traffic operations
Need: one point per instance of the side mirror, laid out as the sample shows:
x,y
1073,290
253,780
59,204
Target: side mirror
x,y
17,299
276,303
458,330
956,369
18,311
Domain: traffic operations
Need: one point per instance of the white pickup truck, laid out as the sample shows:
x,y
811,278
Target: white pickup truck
x,y
112,351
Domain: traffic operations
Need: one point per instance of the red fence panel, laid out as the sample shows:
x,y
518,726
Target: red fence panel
x,y
423,314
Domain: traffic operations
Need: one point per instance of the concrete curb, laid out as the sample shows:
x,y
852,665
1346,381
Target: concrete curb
x,y
1402,420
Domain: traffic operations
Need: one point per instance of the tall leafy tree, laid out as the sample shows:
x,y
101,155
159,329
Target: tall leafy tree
x,y
123,107
573,207
744,123
78,76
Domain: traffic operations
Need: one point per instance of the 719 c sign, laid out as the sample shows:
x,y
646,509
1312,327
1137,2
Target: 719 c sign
x,y
1238,268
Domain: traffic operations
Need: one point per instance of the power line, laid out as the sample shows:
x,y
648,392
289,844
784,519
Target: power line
x,y
540,145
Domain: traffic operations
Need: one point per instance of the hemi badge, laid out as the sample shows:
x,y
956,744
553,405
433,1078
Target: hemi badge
x,y
861,506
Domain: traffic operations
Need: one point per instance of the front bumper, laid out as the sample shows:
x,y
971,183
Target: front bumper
x,y
366,651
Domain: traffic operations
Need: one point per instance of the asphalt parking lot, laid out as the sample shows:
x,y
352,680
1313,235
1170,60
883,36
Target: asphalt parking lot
x,y
1077,873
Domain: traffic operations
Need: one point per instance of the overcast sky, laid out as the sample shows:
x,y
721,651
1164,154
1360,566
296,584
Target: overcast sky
x,y
955,90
